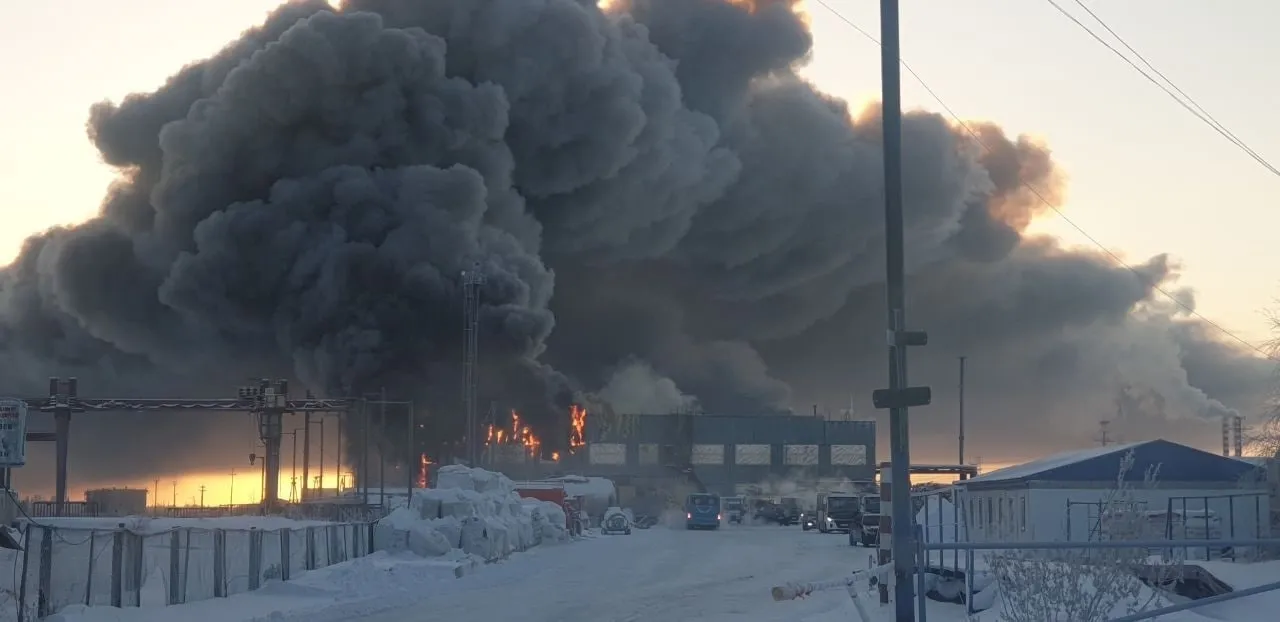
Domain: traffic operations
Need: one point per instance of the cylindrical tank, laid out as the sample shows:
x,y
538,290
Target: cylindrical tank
x,y
118,501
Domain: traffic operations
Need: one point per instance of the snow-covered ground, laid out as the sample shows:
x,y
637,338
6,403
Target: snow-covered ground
x,y
659,575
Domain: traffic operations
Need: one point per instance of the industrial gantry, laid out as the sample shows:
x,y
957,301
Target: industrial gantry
x,y
267,400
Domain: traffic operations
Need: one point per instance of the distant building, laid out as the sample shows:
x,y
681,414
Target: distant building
x,y
727,453
1060,498
117,501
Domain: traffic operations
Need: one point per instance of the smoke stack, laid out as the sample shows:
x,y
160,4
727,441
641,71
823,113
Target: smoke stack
x,y
1226,436
1237,430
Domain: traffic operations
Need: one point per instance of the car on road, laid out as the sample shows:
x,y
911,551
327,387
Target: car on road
x,y
808,521
702,511
866,530
615,521
735,508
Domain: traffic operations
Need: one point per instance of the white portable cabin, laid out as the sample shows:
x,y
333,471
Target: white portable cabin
x,y
1060,498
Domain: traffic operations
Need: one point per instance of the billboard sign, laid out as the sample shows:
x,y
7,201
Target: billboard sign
x,y
13,433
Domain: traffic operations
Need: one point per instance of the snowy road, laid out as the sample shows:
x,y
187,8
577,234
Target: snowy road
x,y
659,575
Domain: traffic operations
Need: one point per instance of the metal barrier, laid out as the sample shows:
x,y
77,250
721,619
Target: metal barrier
x,y
70,509
122,568
1133,568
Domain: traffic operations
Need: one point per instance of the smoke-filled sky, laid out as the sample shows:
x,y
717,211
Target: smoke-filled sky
x,y
668,214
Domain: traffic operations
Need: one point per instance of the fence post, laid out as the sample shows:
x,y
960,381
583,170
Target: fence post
x,y
255,558
46,571
22,585
330,545
311,548
139,553
370,544
117,567
920,554
219,563
285,536
186,564
175,560
88,580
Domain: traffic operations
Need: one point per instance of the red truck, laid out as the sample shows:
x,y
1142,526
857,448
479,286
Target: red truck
x,y
555,493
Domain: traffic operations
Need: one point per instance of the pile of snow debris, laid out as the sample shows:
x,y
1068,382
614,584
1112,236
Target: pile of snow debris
x,y
473,512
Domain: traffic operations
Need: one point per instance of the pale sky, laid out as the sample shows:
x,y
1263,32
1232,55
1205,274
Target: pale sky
x,y
1146,176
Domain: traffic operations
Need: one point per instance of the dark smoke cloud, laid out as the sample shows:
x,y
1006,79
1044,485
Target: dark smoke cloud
x,y
665,212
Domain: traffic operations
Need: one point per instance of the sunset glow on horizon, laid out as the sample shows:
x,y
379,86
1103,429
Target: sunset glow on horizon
x,y
220,488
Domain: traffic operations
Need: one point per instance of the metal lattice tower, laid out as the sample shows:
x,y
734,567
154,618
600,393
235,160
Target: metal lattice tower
x,y
471,281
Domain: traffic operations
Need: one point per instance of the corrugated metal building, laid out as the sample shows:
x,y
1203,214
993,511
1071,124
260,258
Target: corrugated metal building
x,y
1061,497
728,451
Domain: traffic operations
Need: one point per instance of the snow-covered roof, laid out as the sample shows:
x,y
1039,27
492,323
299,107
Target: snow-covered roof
x,y
1029,469
1175,463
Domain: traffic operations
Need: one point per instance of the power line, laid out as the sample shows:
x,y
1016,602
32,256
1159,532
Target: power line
x,y
1185,100
1036,192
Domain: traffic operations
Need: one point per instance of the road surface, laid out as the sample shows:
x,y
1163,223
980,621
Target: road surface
x,y
654,575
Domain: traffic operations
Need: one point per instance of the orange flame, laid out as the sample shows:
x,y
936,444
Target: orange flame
x,y
423,466
516,435
578,429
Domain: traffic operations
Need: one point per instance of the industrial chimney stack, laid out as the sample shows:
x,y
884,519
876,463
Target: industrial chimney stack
x,y
1237,430
1226,436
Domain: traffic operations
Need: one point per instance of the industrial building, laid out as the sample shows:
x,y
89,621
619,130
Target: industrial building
x,y
728,453
117,501
1062,497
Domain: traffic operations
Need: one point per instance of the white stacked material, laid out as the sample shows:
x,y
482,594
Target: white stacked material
x,y
475,511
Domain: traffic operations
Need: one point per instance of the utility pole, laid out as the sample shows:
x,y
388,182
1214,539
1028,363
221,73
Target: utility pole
x,y
233,488
201,495
320,486
1104,437
175,493
962,410
337,461
382,448
156,504
306,454
411,465
900,396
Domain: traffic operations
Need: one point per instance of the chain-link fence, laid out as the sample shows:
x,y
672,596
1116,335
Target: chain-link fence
x,y
61,566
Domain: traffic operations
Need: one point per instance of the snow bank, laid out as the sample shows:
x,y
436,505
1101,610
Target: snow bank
x,y
474,511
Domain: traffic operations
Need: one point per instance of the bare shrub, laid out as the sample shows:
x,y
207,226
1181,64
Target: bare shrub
x,y
1090,585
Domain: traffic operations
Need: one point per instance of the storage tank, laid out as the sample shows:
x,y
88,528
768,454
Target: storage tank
x,y
118,501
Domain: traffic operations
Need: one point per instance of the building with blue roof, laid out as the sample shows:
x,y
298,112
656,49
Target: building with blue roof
x,y
1064,497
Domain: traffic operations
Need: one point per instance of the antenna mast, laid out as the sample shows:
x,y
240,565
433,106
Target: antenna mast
x,y
471,282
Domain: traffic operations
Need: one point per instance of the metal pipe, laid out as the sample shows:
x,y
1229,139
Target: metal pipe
x,y
921,563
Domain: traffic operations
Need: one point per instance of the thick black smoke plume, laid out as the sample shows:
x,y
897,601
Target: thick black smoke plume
x,y
668,217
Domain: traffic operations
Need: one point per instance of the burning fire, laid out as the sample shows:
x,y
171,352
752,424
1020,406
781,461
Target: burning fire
x,y
578,421
423,465
515,435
